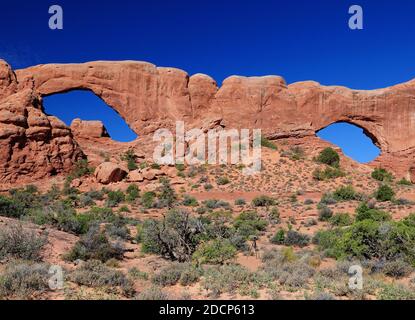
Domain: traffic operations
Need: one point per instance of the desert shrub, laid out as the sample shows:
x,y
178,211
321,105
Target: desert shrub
x,y
284,267
396,268
169,275
11,208
364,213
167,197
95,245
190,275
341,220
148,199
226,278
115,198
95,195
183,273
345,193
216,251
263,201
118,230
308,201
175,237
249,223
80,169
267,143
395,292
294,238
369,239
86,201
190,201
240,202
322,296
135,273
382,175
208,186
297,153
221,181
130,157
330,157
327,199
325,213
133,193
24,280
95,274
327,174
19,243
216,204
153,293
274,216
404,182
384,193
279,237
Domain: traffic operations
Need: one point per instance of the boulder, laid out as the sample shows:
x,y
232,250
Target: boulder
x,y
109,172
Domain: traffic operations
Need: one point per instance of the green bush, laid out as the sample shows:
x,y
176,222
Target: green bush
x,y
330,157
189,201
263,201
341,220
129,157
11,208
19,243
363,212
115,198
240,202
404,182
95,246
216,251
328,173
384,193
249,223
369,239
382,175
221,181
133,193
167,196
345,193
268,144
279,237
81,169
294,238
148,199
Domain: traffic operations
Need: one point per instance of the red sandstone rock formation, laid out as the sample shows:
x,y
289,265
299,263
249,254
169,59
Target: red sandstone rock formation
x,y
148,98
32,144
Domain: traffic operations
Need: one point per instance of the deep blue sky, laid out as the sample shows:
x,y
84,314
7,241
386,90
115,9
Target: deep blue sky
x,y
297,39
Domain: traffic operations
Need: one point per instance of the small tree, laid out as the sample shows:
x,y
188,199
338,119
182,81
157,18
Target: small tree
x,y
384,193
129,157
175,237
330,157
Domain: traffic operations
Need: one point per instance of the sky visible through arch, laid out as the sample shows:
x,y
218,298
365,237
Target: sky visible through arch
x,y
297,39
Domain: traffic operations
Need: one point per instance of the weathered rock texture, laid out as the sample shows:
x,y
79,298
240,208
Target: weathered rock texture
x,y
148,98
32,144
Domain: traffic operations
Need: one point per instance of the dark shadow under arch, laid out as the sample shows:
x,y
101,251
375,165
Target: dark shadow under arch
x,y
86,105
355,141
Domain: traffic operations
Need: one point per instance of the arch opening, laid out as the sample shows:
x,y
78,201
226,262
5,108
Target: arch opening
x,y
86,105
355,142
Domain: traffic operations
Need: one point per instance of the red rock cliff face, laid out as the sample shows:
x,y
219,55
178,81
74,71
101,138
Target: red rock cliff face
x,y
148,98
32,144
